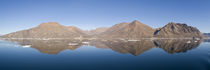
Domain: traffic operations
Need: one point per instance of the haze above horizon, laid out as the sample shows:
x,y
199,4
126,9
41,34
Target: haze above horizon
x,y
89,14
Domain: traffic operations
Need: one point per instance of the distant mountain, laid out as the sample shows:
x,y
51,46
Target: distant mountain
x,y
76,30
206,34
47,30
133,30
96,31
177,30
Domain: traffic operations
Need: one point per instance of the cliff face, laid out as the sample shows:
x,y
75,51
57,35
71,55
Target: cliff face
x,y
46,30
133,30
177,30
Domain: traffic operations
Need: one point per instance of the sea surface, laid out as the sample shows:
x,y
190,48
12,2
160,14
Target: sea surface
x,y
169,54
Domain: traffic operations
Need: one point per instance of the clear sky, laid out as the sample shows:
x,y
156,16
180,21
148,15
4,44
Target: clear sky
x,y
17,15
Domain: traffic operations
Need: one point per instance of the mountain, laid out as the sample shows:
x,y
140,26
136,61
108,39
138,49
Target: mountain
x,y
47,30
177,30
133,30
76,30
206,34
96,31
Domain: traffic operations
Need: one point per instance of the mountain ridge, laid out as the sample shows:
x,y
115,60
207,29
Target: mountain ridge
x,y
125,30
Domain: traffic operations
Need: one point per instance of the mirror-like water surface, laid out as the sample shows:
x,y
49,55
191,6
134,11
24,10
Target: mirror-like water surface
x,y
168,54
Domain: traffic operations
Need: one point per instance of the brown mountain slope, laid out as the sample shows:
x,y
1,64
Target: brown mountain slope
x,y
46,30
74,29
177,30
133,30
96,31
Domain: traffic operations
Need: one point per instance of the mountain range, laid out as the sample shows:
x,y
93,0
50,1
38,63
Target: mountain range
x,y
132,30
206,34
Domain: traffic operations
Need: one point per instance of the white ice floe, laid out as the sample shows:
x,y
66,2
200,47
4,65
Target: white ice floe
x,y
73,44
133,40
26,46
85,42
45,39
197,38
188,42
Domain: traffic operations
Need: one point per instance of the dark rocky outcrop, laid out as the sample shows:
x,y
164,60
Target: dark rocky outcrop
x,y
177,30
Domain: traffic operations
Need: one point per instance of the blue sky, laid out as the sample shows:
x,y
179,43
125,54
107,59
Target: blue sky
x,y
18,15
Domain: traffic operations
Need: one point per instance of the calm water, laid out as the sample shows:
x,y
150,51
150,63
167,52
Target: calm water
x,y
104,55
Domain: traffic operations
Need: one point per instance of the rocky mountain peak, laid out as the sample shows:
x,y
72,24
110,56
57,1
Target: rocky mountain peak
x,y
177,30
135,22
139,24
48,24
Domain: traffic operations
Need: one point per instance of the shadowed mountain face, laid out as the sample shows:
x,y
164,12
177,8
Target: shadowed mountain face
x,y
133,30
47,30
177,30
125,47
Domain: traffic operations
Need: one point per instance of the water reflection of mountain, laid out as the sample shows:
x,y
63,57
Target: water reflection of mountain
x,y
177,46
132,47
49,46
206,40
121,46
